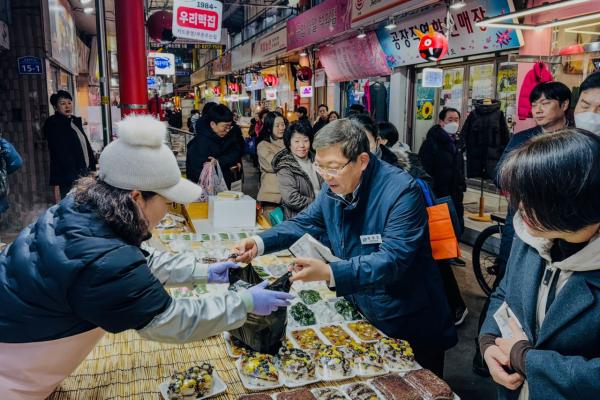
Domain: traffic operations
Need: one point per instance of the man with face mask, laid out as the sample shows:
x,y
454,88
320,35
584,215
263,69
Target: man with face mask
x,y
587,111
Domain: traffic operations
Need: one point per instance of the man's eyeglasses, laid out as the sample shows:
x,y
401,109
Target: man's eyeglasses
x,y
333,172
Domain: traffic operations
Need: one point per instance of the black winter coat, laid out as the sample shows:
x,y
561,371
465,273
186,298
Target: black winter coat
x,y
67,162
207,143
486,135
443,161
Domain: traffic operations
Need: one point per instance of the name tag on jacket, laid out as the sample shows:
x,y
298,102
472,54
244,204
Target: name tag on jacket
x,y
370,239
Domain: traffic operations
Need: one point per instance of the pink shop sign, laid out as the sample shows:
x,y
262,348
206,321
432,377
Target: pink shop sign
x,y
354,59
319,23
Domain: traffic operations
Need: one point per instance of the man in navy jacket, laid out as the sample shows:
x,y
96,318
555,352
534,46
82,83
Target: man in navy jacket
x,y
374,218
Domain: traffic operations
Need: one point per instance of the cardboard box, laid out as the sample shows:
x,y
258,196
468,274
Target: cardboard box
x,y
232,213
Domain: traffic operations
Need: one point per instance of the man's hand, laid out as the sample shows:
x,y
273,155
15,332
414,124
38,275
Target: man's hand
x,y
310,269
496,361
506,345
246,251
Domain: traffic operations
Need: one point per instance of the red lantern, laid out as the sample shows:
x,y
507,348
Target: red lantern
x,y
234,87
160,26
271,80
216,90
433,45
304,74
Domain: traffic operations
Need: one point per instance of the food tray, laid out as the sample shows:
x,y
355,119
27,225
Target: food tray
x,y
337,336
219,387
229,346
335,389
295,343
324,373
345,389
252,383
356,336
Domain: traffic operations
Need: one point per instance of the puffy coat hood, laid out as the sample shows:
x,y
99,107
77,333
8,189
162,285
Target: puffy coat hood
x,y
285,159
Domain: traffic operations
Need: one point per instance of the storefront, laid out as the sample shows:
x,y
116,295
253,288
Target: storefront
x,y
476,68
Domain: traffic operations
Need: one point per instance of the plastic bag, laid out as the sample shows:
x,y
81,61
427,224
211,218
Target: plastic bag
x,y
263,334
211,180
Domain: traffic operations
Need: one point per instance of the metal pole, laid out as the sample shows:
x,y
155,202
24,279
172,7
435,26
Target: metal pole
x,y
104,73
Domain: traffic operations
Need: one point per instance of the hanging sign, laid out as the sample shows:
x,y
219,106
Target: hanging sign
x,y
401,45
433,77
234,97
320,78
365,12
4,38
164,63
267,47
271,94
198,20
325,20
30,65
306,91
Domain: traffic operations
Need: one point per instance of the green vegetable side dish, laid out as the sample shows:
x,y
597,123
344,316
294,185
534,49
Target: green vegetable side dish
x,y
347,310
302,314
309,296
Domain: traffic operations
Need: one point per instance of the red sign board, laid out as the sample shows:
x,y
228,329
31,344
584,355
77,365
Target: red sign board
x,y
198,20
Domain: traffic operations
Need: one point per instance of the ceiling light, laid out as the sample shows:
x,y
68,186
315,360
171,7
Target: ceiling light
x,y
303,53
457,4
361,34
83,2
88,10
391,24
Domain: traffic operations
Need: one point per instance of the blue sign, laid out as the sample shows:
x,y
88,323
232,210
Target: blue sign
x,y
162,62
151,81
181,72
30,65
178,60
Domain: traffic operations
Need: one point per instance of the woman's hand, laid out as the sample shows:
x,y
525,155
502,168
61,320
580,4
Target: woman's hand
x,y
498,363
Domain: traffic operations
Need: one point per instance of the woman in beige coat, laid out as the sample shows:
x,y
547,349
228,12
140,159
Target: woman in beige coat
x,y
271,143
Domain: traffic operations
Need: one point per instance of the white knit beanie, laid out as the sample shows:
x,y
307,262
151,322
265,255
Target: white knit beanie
x,y
139,160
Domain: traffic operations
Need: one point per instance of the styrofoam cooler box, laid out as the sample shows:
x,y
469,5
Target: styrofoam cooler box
x,y
232,213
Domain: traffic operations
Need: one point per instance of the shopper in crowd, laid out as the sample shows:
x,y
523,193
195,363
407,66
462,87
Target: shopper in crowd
x,y
323,118
388,273
271,143
442,157
356,109
280,110
333,116
552,282
81,270
260,121
10,162
192,119
587,110
71,155
155,106
299,183
301,113
215,143
550,102
388,136
370,127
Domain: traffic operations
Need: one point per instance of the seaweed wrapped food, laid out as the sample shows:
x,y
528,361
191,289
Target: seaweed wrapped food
x,y
302,314
259,368
332,364
347,310
193,383
296,365
365,358
309,296
397,353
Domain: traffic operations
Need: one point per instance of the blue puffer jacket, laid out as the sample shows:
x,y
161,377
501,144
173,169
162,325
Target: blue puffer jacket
x,y
69,273
13,162
396,284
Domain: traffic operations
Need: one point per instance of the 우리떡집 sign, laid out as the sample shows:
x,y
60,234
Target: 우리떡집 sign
x,y
199,20
30,65
401,44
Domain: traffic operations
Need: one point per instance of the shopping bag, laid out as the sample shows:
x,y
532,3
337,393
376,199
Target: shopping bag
x,y
211,180
442,235
276,216
219,180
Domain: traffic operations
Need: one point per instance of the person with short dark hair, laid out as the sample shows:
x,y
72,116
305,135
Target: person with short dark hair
x,y
373,215
71,154
356,109
333,116
299,183
549,104
323,117
191,122
370,127
214,142
301,113
587,110
552,281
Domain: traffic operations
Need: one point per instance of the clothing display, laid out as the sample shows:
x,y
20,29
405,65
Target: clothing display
x,y
538,74
379,102
485,135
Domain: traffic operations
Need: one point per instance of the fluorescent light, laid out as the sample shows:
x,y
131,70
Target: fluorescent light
x,y
391,24
457,4
303,53
88,10
512,26
530,11
581,18
575,29
361,34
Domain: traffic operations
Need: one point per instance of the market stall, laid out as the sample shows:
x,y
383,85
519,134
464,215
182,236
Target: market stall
x,y
326,351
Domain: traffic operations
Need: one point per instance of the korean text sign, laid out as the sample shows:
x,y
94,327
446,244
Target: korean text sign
x,y
198,20
401,44
325,20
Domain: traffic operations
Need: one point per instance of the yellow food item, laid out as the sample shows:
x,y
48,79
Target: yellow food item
x,y
336,335
364,330
307,339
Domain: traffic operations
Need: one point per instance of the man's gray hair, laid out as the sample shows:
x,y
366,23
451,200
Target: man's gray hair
x,y
347,133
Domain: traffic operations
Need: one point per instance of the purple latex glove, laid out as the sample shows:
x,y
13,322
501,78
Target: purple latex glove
x,y
264,301
219,272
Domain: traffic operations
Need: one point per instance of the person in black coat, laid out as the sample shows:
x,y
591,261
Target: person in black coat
x,y
442,158
215,141
323,118
71,155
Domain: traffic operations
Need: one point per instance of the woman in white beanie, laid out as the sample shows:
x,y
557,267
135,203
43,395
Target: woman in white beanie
x,y
80,270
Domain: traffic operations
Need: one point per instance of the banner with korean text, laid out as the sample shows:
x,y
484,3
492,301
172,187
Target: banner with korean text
x,y
198,20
